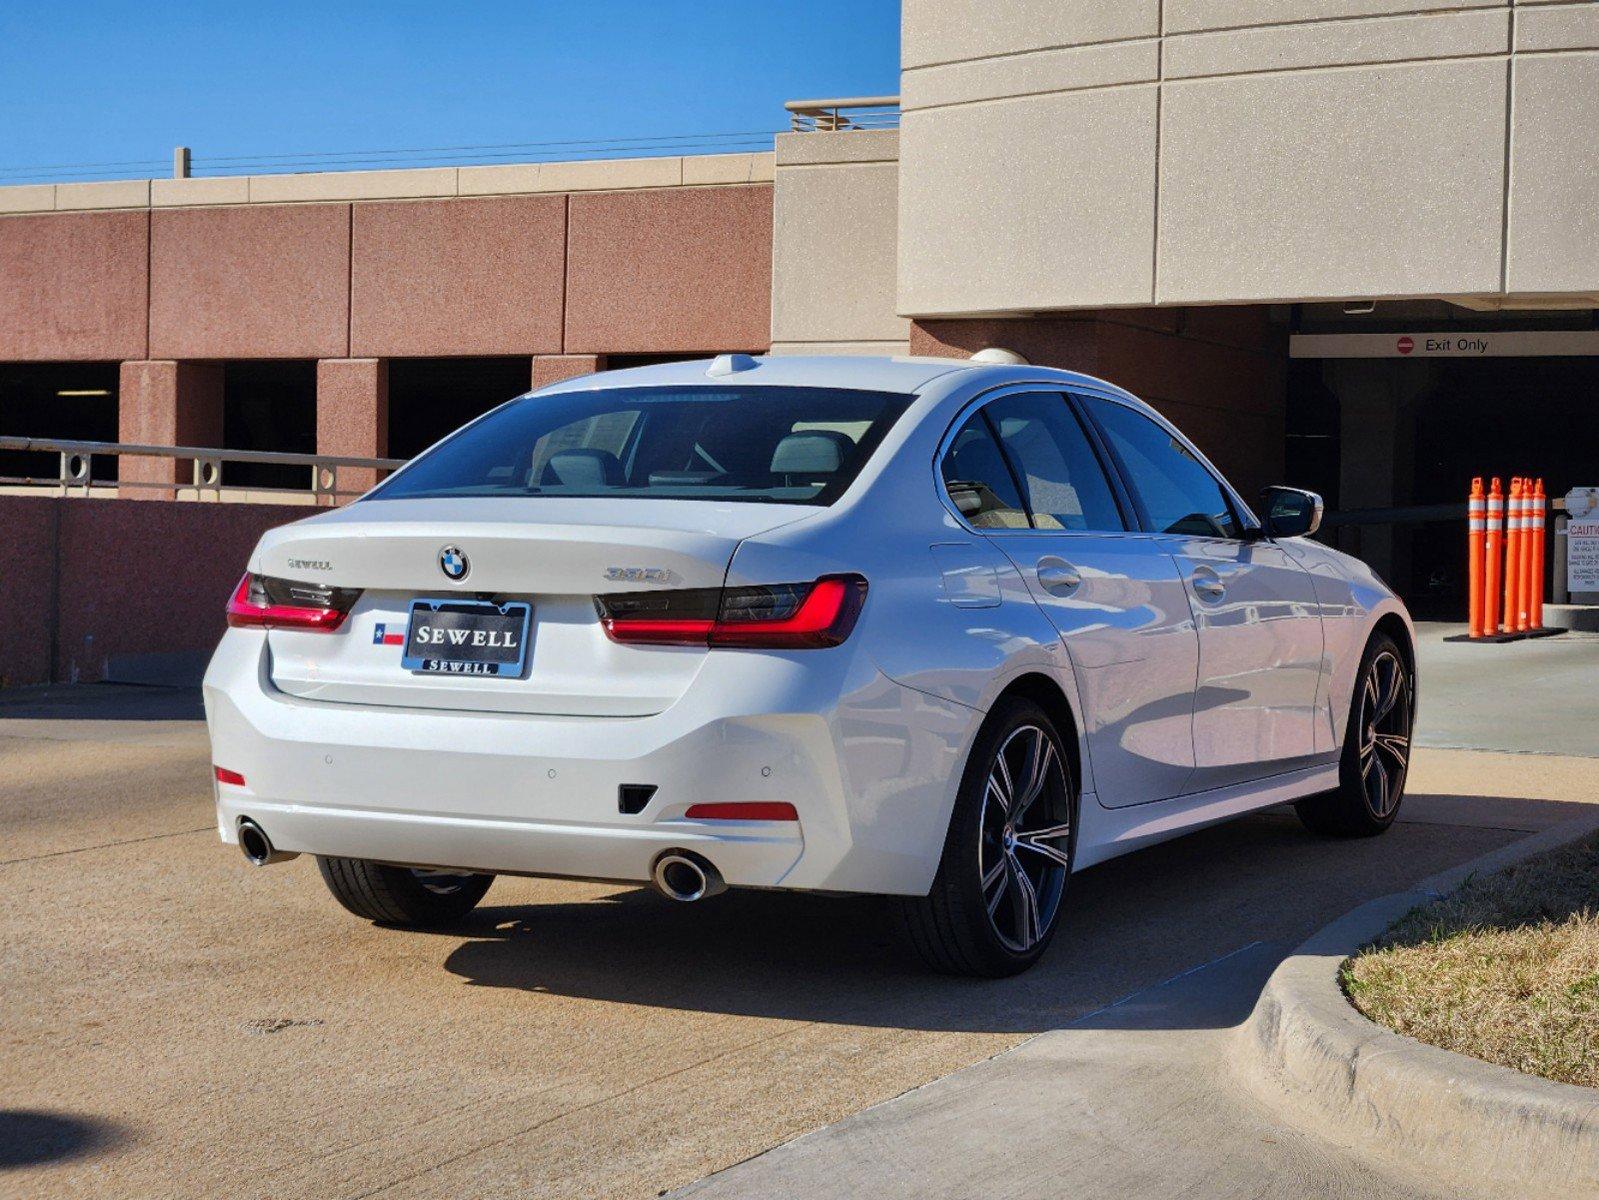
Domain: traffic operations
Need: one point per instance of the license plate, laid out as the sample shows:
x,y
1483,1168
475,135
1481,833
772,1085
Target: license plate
x,y
467,637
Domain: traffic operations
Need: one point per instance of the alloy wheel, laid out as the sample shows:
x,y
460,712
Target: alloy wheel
x,y
1385,717
1024,850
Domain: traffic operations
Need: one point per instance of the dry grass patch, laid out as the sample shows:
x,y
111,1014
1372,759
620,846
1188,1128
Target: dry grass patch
x,y
1506,969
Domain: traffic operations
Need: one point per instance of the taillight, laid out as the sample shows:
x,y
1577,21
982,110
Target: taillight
x,y
781,616
261,600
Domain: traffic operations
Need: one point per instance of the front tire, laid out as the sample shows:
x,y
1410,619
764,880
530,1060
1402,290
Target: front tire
x,y
997,898
402,895
1376,757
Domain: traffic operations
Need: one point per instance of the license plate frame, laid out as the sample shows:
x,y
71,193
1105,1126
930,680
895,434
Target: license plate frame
x,y
518,612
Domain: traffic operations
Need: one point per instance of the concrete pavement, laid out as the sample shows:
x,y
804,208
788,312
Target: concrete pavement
x,y
165,1003
1134,1100
1534,697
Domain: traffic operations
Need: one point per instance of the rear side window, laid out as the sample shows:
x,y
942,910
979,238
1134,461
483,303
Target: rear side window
x,y
1064,485
785,445
1177,492
980,484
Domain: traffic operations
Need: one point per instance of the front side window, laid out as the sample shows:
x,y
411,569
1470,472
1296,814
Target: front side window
x,y
785,445
1064,485
1177,492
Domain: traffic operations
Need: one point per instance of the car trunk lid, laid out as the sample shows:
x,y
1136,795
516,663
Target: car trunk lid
x,y
553,554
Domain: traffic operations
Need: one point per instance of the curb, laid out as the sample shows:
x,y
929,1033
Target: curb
x,y
1487,1127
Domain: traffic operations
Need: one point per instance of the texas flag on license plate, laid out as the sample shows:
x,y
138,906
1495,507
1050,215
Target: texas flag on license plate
x,y
383,635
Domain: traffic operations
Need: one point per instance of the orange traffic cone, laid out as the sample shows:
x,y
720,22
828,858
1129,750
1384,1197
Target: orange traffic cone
x,y
1507,622
1476,521
1540,513
1524,561
1493,536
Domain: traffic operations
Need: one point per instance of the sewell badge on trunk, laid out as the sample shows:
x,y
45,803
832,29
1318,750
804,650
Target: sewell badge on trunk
x,y
467,637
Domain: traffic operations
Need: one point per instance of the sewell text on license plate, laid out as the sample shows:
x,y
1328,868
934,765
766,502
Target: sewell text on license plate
x,y
467,637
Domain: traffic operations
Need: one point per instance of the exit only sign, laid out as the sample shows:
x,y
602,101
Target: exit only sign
x,y
1452,344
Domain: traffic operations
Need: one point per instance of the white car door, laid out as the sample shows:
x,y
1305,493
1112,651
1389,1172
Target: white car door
x,y
1115,596
1254,606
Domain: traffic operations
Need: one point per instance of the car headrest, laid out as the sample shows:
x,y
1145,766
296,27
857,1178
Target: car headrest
x,y
814,452
582,468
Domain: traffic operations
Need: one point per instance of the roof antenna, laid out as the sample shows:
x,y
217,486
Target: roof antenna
x,y
730,364
997,354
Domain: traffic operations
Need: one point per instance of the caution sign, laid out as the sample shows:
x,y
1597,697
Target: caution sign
x,y
1582,556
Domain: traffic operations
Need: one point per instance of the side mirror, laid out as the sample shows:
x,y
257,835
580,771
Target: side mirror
x,y
1290,512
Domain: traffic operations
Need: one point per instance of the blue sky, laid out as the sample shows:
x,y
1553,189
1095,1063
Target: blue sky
x,y
122,83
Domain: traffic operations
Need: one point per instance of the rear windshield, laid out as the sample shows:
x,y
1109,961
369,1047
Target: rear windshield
x,y
789,445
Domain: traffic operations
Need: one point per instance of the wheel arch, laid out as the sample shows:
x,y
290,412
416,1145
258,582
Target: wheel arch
x,y
1048,695
1395,627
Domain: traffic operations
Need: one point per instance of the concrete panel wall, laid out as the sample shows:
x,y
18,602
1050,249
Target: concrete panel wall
x,y
669,270
72,287
835,212
169,599
1554,173
456,277
1187,16
1036,202
610,174
1064,155
1345,185
943,31
269,282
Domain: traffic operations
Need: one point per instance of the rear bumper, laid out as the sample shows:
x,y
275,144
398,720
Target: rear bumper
x,y
868,765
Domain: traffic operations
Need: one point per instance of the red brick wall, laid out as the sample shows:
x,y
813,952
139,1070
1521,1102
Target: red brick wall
x,y
101,578
250,281
673,269
72,286
433,278
657,270
27,583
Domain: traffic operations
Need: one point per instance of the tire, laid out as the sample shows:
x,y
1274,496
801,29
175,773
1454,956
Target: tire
x,y
1376,756
996,870
401,895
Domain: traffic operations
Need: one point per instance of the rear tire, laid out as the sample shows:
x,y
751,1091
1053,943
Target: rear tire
x,y
1376,757
997,898
401,895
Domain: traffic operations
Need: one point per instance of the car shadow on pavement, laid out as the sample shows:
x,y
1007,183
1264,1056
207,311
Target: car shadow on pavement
x,y
1131,924
30,1137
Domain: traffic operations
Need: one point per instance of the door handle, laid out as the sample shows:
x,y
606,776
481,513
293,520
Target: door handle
x,y
1058,577
1208,585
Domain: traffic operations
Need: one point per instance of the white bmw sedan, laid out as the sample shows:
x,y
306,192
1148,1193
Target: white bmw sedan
x,y
938,630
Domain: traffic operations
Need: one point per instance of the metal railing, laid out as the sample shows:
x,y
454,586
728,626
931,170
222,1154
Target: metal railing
x,y
851,112
75,475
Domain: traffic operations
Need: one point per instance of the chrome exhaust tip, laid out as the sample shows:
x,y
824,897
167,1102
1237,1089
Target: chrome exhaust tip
x,y
686,877
258,848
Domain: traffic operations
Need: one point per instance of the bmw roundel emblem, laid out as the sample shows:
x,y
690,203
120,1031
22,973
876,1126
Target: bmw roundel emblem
x,y
453,562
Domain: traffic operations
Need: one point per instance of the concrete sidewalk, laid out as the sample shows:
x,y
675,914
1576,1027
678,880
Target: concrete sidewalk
x,y
1134,1100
